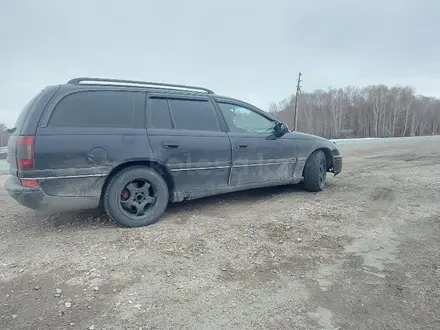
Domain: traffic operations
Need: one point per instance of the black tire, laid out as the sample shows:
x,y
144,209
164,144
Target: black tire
x,y
136,196
315,171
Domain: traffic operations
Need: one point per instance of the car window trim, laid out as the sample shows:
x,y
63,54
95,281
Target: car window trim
x,y
173,122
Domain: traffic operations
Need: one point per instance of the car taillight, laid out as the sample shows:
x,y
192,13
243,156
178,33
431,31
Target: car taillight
x,y
25,153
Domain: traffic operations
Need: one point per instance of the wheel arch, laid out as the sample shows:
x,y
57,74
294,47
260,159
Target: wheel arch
x,y
157,166
328,157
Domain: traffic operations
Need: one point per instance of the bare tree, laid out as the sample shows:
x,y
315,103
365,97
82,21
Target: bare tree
x,y
371,111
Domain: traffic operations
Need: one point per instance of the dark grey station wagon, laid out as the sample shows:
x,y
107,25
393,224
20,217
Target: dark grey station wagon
x,y
134,146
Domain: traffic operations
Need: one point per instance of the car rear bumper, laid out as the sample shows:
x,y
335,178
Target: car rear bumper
x,y
37,199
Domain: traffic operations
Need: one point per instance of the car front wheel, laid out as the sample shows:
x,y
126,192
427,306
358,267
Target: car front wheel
x,y
136,196
315,171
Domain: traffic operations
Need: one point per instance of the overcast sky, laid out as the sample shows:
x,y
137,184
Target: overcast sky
x,y
248,49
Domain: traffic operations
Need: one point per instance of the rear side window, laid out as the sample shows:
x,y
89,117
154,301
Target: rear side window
x,y
193,115
95,109
159,114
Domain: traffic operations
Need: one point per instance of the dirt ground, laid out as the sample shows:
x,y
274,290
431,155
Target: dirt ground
x,y
363,254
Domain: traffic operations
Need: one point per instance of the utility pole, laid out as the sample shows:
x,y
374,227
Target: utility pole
x,y
298,90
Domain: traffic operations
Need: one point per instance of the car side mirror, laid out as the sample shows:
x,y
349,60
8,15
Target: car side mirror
x,y
281,129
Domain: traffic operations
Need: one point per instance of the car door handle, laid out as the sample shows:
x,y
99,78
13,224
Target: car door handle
x,y
240,145
170,145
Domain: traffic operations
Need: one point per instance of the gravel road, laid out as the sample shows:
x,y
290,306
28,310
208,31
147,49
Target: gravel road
x,y
363,254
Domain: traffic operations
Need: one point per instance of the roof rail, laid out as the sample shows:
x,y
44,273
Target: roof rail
x,y
135,82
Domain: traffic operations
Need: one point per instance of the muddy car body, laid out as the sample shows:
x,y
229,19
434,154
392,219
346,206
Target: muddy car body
x,y
135,146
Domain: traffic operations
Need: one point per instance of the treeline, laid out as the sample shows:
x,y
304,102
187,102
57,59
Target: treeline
x,y
373,111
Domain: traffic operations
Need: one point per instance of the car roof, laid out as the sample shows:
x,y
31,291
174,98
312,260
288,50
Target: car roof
x,y
117,84
89,83
124,84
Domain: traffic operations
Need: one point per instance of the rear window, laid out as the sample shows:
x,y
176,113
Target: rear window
x,y
24,112
95,109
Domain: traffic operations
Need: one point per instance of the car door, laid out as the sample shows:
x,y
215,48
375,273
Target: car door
x,y
258,156
187,136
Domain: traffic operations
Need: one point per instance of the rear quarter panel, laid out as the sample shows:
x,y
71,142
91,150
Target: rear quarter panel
x,y
90,153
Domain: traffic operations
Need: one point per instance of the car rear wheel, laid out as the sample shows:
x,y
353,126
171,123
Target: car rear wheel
x,y
315,171
137,196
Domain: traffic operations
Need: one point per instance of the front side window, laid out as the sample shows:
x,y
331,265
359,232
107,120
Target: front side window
x,y
243,120
95,109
